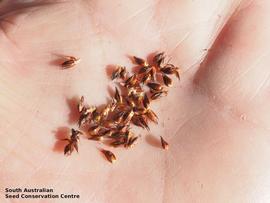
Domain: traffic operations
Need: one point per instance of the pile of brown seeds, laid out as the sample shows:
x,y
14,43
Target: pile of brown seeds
x,y
129,106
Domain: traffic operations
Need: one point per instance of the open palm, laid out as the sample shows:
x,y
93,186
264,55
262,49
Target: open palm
x,y
216,118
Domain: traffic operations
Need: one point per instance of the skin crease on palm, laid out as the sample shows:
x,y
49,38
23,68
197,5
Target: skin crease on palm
x,y
216,118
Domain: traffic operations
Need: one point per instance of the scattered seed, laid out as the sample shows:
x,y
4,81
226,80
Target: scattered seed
x,y
70,62
140,61
109,155
129,106
167,80
159,59
164,144
131,142
72,142
152,116
155,86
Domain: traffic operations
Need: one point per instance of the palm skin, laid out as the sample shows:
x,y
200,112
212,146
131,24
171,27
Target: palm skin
x,y
216,118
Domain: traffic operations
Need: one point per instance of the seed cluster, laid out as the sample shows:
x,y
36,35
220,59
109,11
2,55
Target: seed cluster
x,y
129,106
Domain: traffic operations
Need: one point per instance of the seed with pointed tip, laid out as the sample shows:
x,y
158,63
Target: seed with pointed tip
x,y
117,143
72,142
164,144
68,149
140,121
168,69
152,116
155,86
70,62
156,95
167,80
131,141
123,72
159,59
140,61
109,155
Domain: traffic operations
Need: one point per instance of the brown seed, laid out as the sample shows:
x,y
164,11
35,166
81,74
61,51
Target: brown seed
x,y
75,134
155,86
117,143
171,69
123,72
152,116
131,141
140,121
70,62
159,59
68,149
72,142
117,135
140,61
168,69
164,144
109,155
167,80
156,95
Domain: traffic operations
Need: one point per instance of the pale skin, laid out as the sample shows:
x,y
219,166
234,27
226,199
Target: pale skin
x,y
216,119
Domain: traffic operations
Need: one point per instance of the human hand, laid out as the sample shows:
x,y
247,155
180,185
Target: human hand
x,y
215,119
